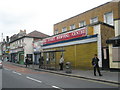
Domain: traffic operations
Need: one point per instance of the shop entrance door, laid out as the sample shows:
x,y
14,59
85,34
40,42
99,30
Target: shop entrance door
x,y
105,58
21,58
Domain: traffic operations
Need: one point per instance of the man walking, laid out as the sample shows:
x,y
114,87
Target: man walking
x,y
95,61
26,61
61,62
41,60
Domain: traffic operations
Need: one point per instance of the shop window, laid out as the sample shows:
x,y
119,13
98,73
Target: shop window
x,y
64,29
96,29
23,40
56,31
52,56
108,18
72,26
82,23
116,43
47,58
115,54
94,20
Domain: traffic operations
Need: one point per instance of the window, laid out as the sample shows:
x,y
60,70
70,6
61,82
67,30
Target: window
x,y
108,18
64,29
23,40
72,26
56,32
82,23
115,54
20,41
96,29
94,20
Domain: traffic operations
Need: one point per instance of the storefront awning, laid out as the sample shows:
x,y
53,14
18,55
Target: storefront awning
x,y
115,41
47,51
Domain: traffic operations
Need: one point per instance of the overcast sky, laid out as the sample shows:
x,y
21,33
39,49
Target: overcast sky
x,y
40,15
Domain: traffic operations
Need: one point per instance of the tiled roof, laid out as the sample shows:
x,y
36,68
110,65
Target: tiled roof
x,y
37,34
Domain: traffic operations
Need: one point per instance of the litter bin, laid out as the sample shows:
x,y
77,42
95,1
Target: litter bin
x,y
68,67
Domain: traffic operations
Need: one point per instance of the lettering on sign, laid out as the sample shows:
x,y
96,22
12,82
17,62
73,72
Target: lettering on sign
x,y
66,36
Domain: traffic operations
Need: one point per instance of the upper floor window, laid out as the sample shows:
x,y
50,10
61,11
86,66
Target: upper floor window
x,y
56,31
82,23
94,20
72,26
20,41
108,18
23,40
64,29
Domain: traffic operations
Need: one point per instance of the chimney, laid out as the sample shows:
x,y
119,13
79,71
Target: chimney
x,y
25,30
117,27
21,31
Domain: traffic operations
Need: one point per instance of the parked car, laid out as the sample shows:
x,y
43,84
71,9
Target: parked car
x,y
1,65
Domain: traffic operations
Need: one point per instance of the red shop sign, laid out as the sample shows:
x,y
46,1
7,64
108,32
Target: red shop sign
x,y
66,36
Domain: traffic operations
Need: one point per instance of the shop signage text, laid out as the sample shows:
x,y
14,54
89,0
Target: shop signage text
x,y
66,36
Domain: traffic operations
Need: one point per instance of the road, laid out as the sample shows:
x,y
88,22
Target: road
x,y
0,79
19,77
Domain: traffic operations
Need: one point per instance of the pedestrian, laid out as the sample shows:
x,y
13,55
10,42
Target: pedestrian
x,y
41,59
95,64
39,62
26,61
29,61
61,62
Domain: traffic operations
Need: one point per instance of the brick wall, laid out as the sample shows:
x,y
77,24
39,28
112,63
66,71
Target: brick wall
x,y
106,33
86,16
80,55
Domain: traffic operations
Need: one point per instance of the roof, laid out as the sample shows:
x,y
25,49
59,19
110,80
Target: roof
x,y
34,34
37,34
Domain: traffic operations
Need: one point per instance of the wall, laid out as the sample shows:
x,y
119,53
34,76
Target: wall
x,y
86,16
117,27
28,48
106,33
79,55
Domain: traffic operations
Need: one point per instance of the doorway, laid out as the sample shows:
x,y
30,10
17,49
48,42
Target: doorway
x,y
105,58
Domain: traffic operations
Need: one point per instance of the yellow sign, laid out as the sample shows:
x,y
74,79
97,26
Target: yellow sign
x,y
7,51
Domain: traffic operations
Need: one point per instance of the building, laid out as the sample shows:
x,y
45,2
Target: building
x,y
4,49
80,37
22,46
1,51
114,47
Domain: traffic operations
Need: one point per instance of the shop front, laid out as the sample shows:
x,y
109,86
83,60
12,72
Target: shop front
x,y
51,58
17,55
79,48
14,57
21,57
37,55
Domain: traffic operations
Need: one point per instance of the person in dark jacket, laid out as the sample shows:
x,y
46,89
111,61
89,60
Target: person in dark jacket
x,y
41,60
26,61
95,61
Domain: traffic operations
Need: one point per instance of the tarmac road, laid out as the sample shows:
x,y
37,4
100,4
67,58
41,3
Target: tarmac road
x,y
18,77
0,79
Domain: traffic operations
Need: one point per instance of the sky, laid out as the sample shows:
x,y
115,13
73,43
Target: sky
x,y
40,15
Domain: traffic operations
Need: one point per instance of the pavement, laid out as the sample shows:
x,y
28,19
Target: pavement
x,y
108,76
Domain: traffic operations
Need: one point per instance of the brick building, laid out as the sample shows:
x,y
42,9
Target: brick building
x,y
80,37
